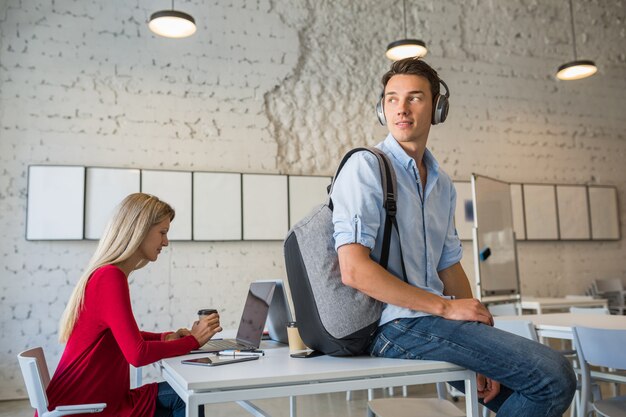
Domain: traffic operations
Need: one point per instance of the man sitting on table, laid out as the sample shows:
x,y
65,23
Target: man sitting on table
x,y
433,316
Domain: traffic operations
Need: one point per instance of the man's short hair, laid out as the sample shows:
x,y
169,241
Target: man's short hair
x,y
414,66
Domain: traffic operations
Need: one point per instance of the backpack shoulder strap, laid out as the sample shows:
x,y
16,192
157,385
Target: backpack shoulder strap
x,y
389,188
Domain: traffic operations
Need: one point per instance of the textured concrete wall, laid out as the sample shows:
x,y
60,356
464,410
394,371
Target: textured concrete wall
x,y
286,87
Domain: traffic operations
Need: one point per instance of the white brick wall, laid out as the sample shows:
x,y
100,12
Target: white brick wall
x,y
286,87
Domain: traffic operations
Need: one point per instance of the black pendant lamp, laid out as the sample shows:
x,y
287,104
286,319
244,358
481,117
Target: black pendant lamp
x,y
406,48
578,68
172,23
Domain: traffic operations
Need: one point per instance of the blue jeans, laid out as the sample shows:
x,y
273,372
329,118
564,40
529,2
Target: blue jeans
x,y
169,404
536,380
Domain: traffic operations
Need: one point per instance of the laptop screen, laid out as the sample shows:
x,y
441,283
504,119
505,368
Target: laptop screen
x,y
279,314
255,313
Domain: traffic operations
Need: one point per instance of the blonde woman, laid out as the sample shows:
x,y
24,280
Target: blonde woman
x,y
101,332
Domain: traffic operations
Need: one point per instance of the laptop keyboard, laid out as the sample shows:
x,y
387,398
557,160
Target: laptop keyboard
x,y
223,345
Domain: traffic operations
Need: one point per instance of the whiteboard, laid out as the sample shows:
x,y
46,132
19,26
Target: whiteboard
x,y
105,189
173,187
55,203
265,207
604,213
495,253
517,202
540,212
216,206
304,194
464,210
573,212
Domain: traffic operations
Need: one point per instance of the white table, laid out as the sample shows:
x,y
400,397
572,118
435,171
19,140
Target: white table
x,y
559,325
278,375
539,304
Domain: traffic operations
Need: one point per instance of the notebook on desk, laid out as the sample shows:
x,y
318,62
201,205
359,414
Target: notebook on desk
x,y
252,321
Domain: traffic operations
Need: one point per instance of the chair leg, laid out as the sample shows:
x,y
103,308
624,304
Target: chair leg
x,y
573,408
348,395
405,391
370,394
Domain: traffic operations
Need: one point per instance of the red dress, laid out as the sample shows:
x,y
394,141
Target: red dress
x,y
94,366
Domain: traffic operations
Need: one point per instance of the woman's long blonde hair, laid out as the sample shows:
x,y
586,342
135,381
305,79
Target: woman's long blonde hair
x,y
123,235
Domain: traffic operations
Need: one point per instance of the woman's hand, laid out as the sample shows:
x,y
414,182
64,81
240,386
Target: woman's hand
x,y
178,334
206,328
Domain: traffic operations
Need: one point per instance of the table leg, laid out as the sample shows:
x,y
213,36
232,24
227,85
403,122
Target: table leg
x,y
471,397
192,407
292,407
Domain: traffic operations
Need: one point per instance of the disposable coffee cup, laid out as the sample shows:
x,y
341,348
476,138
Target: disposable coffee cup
x,y
295,341
206,312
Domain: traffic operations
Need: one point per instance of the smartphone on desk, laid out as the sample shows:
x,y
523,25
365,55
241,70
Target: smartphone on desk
x,y
306,354
218,360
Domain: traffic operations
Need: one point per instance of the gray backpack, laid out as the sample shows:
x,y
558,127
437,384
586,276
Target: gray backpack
x,y
333,318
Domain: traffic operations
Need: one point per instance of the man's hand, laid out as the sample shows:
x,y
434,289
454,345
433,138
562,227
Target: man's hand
x,y
206,328
468,309
487,388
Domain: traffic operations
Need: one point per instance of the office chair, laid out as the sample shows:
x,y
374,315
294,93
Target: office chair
x,y
36,377
600,347
613,291
507,309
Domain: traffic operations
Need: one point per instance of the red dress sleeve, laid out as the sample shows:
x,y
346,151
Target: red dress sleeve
x,y
116,312
152,336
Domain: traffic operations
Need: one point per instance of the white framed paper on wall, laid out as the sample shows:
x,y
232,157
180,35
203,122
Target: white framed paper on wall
x,y
604,212
56,202
573,212
517,205
217,206
304,194
105,189
265,207
173,187
540,212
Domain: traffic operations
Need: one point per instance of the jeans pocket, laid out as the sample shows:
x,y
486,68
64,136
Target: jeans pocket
x,y
380,345
385,348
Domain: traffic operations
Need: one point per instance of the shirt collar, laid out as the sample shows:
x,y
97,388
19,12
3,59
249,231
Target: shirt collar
x,y
392,145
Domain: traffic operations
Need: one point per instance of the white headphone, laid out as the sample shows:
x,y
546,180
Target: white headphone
x,y
441,105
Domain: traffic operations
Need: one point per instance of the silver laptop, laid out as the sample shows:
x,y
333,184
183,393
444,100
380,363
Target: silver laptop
x,y
279,314
252,321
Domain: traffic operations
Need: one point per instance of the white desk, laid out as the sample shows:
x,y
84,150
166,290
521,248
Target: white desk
x,y
278,375
538,304
559,325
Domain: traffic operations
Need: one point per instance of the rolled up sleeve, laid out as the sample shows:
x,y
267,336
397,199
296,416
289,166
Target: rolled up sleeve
x,y
357,201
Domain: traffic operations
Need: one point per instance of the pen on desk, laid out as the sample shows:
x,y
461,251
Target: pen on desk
x,y
233,352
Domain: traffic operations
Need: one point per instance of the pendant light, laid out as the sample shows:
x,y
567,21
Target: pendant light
x,y
406,48
172,23
576,69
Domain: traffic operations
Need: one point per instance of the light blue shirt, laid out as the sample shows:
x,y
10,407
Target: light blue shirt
x,y
425,218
